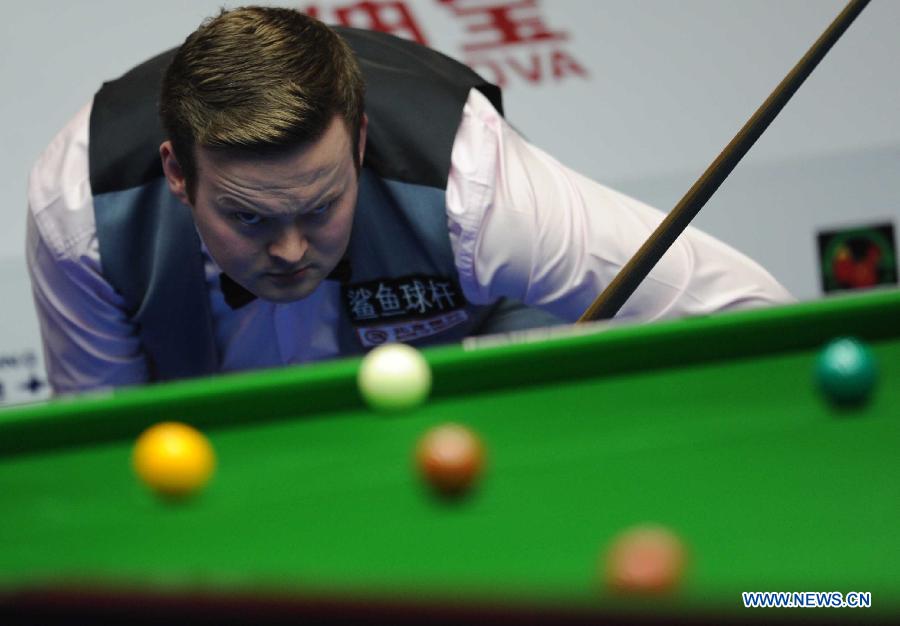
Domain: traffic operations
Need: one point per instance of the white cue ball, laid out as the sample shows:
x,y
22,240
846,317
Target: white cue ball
x,y
394,377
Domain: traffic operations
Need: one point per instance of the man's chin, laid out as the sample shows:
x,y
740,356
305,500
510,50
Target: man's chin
x,y
285,293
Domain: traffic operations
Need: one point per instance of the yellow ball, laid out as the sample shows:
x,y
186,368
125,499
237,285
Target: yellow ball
x,y
173,459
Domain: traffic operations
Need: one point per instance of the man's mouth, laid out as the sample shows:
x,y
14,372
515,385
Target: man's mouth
x,y
290,274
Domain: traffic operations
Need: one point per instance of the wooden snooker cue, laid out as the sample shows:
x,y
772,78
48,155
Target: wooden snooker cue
x,y
635,271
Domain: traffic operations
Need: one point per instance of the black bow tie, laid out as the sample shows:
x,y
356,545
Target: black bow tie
x,y
236,296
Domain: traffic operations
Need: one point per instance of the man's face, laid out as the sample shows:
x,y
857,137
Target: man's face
x,y
276,225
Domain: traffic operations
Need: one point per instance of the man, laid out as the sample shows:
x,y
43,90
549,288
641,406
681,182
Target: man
x,y
314,192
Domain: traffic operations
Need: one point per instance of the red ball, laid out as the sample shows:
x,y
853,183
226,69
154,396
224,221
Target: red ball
x,y
645,560
450,458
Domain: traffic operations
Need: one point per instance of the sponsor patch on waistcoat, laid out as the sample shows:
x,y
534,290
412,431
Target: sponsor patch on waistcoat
x,y
403,309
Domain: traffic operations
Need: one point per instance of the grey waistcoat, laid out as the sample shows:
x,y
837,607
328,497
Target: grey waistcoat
x,y
403,284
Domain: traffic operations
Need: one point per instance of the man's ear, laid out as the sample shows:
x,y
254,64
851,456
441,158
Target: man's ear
x,y
173,172
363,126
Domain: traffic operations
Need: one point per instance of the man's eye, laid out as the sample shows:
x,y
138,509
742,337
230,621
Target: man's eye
x,y
322,209
245,217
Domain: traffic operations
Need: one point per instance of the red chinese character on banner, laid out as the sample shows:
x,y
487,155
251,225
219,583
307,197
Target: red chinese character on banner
x,y
499,17
385,17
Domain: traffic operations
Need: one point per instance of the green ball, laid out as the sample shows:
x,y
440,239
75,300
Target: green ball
x,y
846,372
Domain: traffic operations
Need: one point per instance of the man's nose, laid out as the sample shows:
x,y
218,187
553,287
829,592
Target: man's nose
x,y
290,245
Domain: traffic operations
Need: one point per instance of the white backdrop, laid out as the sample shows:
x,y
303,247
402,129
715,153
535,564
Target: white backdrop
x,y
641,95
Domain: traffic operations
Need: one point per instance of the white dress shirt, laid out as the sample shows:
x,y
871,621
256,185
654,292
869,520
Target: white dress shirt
x,y
521,225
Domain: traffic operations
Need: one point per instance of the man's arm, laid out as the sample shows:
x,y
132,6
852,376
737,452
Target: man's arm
x,y
522,225
89,341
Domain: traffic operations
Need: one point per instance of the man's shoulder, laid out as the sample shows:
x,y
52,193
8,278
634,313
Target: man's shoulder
x,y
414,102
125,128
59,190
389,62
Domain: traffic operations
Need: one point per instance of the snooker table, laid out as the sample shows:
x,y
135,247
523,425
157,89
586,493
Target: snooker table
x,y
709,425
